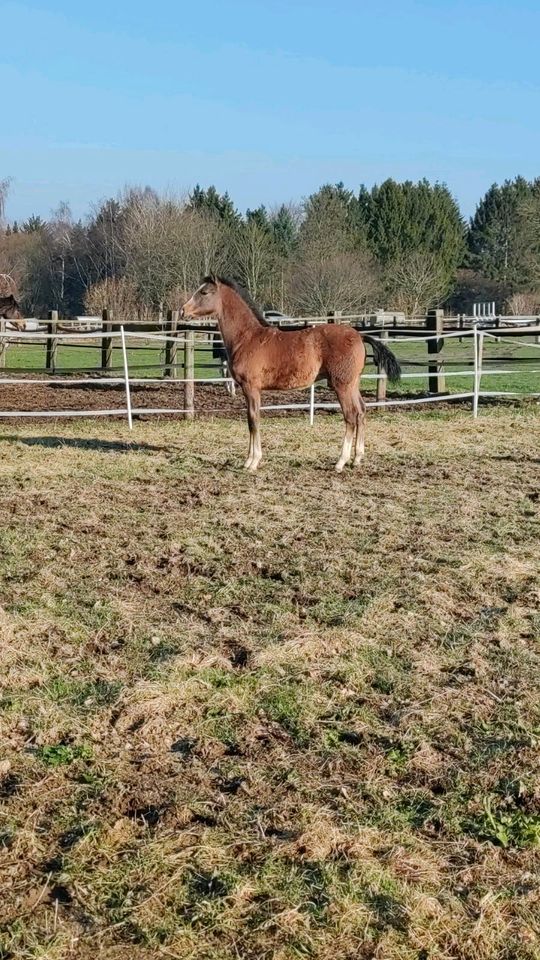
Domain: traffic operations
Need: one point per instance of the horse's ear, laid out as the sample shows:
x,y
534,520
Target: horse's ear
x,y
210,278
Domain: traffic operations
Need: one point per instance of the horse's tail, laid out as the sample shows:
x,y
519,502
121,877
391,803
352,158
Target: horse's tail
x,y
384,358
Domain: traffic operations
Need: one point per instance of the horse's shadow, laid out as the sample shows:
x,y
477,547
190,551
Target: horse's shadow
x,y
101,446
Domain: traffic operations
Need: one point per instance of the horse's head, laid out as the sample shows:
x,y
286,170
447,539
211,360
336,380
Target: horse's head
x,y
10,310
205,302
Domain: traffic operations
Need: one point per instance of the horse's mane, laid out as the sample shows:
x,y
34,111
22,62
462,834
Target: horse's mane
x,y
244,295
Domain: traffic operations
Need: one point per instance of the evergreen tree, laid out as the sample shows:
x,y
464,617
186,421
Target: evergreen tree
x,y
409,218
33,225
284,230
495,240
217,205
260,217
332,219
417,235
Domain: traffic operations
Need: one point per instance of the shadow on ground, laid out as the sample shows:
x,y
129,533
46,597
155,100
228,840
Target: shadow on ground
x,y
104,446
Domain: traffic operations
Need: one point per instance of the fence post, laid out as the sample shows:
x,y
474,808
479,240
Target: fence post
x,y
312,404
52,343
434,324
382,382
478,354
126,377
171,346
106,342
189,374
3,344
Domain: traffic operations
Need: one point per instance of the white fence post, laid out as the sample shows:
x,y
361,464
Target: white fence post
x,y
312,404
478,352
126,375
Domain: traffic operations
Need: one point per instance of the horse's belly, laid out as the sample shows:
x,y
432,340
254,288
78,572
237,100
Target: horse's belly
x,y
288,383
291,379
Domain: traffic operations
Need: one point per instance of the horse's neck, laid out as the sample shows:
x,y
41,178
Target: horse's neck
x,y
236,321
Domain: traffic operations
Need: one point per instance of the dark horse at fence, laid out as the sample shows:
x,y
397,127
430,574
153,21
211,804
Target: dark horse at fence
x,y
10,310
219,353
261,357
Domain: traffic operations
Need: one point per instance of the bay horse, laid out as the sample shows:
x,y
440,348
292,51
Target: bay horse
x,y
262,357
10,310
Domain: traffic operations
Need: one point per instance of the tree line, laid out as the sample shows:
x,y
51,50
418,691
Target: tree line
x,y
400,246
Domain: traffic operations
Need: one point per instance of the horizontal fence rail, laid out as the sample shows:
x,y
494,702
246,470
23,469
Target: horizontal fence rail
x,y
382,318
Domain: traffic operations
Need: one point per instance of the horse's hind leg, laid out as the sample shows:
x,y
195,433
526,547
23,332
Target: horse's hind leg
x,y
349,407
360,431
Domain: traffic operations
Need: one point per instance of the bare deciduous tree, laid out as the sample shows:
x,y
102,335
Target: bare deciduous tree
x,y
416,283
7,285
15,263
256,256
524,304
169,247
342,281
4,190
203,247
118,295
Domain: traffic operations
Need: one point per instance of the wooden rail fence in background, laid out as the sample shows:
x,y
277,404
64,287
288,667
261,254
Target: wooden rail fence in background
x,y
171,346
52,342
106,342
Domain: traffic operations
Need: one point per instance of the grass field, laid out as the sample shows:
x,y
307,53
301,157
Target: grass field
x,y
517,357
286,716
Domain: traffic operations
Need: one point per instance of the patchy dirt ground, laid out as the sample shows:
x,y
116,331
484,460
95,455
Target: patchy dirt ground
x,y
209,400
294,715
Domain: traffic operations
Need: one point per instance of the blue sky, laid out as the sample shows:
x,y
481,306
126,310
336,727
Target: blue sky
x,y
267,100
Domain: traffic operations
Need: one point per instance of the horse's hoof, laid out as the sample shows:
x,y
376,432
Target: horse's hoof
x,y
339,467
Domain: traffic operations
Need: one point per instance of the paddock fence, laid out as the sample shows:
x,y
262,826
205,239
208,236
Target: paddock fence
x,y
454,368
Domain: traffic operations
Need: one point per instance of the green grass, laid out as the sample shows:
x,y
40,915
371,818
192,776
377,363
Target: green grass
x,y
143,361
521,376
271,717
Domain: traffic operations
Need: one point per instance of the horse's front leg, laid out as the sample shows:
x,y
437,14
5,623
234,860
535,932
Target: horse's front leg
x,y
253,400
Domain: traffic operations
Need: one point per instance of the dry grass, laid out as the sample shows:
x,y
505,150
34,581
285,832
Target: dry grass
x,y
295,715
